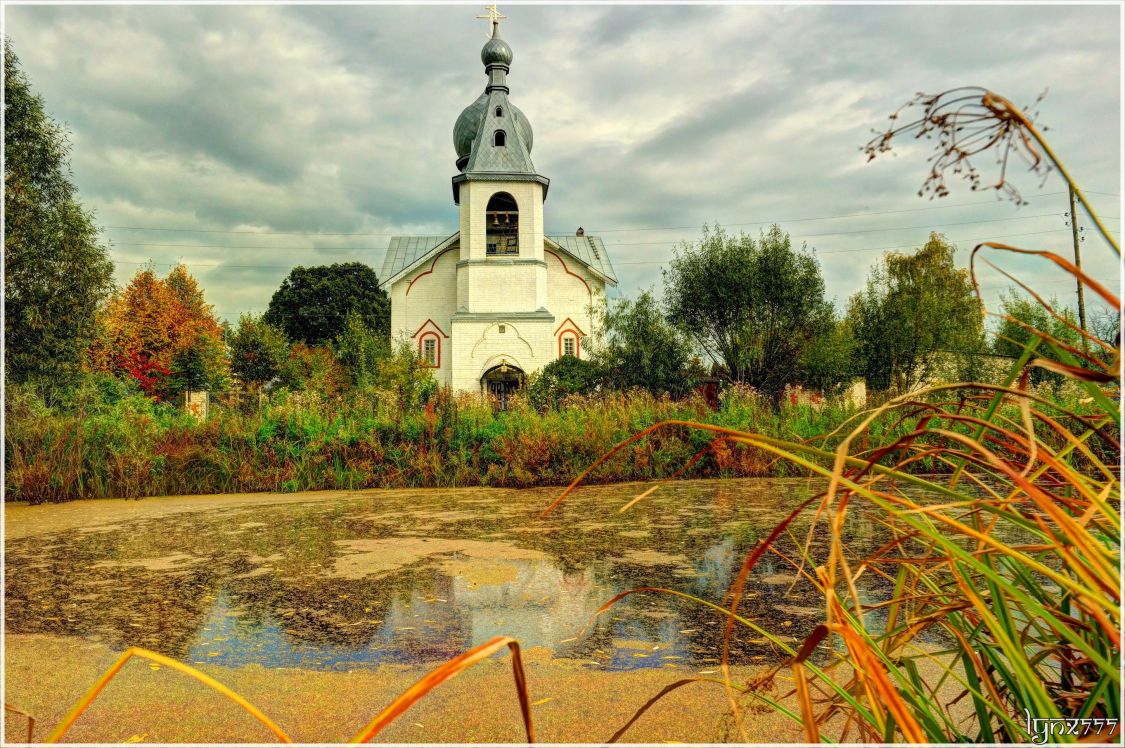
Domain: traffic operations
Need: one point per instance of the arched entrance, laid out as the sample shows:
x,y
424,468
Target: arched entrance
x,y
502,382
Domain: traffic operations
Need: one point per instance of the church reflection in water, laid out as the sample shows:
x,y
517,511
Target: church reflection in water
x,y
284,586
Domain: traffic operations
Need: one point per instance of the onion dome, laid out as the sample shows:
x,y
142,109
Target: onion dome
x,y
492,112
496,51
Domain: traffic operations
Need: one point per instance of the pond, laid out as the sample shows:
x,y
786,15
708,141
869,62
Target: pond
x,y
358,580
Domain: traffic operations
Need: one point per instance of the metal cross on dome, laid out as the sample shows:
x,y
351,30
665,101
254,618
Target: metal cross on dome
x,y
493,17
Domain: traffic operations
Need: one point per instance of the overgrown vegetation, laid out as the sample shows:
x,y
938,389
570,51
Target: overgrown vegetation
x,y
56,268
1011,556
104,439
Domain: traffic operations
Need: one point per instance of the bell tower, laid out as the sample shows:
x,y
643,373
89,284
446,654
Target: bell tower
x,y
502,267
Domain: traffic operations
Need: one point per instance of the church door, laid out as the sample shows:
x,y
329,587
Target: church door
x,y
501,382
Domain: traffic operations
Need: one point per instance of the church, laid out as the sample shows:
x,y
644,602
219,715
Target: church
x,y
499,299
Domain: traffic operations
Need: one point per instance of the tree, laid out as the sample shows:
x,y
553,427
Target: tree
x,y
257,350
641,349
314,370
360,349
312,304
755,307
567,375
829,364
162,333
57,271
1012,336
917,313
1105,325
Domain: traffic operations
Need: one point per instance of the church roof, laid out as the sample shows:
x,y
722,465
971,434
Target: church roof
x,y
405,253
492,136
588,249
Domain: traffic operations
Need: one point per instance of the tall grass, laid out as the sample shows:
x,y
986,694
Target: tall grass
x,y
127,446
1010,552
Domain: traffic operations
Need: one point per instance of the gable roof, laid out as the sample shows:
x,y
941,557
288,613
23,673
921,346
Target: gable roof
x,y
405,253
589,250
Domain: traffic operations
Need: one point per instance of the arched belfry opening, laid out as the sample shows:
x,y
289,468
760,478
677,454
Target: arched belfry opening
x,y
502,218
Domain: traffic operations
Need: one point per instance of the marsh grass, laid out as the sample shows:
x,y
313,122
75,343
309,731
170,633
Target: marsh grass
x,y
1011,550
128,446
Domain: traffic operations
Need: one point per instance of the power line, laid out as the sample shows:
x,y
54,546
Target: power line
x,y
610,244
873,249
619,262
889,228
321,314
604,231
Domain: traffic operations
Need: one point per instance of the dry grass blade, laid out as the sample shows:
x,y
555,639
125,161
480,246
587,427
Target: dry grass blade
x,y
87,699
648,704
444,672
636,499
800,678
30,719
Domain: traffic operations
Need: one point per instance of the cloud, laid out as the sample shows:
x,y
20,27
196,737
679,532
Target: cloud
x,y
317,119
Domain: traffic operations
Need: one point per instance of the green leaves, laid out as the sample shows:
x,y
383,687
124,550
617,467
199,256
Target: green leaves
x,y
917,316
57,271
641,349
755,306
313,303
257,350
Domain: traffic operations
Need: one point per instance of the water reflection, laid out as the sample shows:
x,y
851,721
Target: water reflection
x,y
416,577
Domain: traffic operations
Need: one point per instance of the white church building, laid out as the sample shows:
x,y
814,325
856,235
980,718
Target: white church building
x,y
499,299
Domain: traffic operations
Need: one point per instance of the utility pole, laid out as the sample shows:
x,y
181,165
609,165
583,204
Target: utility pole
x,y
1078,263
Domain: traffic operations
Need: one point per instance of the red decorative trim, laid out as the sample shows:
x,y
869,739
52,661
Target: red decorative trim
x,y
421,353
576,275
572,324
423,275
423,327
577,341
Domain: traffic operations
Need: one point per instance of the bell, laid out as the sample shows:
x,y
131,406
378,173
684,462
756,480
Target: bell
x,y
495,219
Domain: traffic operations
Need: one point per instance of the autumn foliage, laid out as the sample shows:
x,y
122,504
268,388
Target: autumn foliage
x,y
162,333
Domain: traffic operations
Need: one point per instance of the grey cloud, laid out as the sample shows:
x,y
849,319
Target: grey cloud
x,y
322,118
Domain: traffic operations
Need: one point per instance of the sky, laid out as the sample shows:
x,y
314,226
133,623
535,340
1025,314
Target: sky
x,y
246,140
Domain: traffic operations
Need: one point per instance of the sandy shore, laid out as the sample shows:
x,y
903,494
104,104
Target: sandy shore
x,y
573,702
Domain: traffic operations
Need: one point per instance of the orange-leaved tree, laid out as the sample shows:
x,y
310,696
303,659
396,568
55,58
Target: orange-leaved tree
x,y
162,333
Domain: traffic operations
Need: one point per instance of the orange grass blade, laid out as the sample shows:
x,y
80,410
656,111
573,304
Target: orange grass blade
x,y
84,703
30,720
1062,262
875,679
808,716
443,673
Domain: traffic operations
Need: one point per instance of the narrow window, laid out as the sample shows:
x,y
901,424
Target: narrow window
x,y
499,111
503,329
499,138
429,351
502,225
568,346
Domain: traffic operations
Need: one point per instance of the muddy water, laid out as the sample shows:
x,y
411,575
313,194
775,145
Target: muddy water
x,y
354,581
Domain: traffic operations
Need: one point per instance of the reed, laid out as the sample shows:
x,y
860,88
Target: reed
x,y
1011,554
389,714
